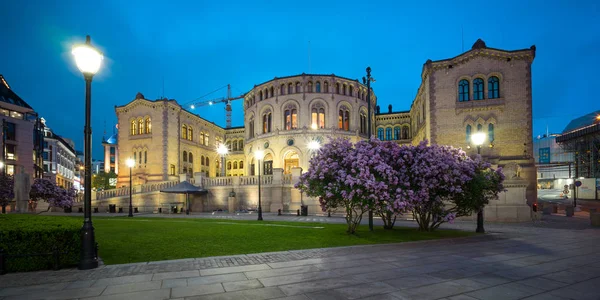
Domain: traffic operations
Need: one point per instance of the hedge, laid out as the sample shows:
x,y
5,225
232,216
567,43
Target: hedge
x,y
30,234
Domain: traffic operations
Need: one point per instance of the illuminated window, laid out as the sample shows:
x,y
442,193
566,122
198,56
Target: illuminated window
x,y
493,87
317,115
133,127
184,132
344,118
478,89
291,117
140,126
206,139
202,137
148,125
172,169
463,90
267,119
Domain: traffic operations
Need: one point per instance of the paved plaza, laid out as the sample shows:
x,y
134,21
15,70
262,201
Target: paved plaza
x,y
556,258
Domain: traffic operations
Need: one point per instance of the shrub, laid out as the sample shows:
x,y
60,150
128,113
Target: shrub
x,y
29,234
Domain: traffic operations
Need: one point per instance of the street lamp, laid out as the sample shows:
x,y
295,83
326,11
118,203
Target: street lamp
x,y
367,81
259,154
314,145
88,60
130,163
222,150
478,139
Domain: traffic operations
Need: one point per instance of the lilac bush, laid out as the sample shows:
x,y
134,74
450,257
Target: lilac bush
x,y
6,190
46,190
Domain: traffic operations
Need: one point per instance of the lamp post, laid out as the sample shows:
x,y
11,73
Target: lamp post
x,y
222,150
259,154
130,163
478,139
367,81
88,61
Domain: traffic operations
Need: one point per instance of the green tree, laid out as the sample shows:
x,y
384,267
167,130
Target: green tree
x,y
102,181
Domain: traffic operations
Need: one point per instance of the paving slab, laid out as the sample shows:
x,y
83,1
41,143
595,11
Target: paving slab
x,y
242,285
507,291
257,294
365,290
132,287
161,294
217,271
196,290
180,274
216,279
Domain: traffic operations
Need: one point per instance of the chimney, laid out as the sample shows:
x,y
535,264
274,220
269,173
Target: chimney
x,y
377,109
390,108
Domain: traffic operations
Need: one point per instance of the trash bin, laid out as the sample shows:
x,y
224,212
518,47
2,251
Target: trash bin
x,y
112,208
569,210
305,210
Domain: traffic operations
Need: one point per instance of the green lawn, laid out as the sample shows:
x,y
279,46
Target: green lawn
x,y
126,240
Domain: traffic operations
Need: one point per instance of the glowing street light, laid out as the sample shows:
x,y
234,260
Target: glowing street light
x,y
259,154
88,60
478,139
130,162
222,150
314,145
314,126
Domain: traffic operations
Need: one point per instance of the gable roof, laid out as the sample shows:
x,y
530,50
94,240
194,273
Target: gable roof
x,y
8,96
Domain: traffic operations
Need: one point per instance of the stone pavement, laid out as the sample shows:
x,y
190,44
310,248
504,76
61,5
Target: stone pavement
x,y
554,259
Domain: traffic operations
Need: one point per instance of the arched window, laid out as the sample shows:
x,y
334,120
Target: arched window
x,y
184,132
318,86
134,156
282,90
184,156
337,88
310,87
228,165
133,127
235,165
344,89
190,133
140,126
380,134
479,127
235,146
251,128
359,94
145,157
148,125
290,117
317,116
206,139
267,117
241,145
491,132
140,162
344,118
493,87
326,87
290,88
260,95
206,161
202,160
228,144
272,92
478,89
463,90
241,164
184,170
396,133
202,137
468,132
363,122
405,133
297,87
388,133
190,157
350,90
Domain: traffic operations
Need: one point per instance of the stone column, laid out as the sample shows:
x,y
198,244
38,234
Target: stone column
x,y
199,179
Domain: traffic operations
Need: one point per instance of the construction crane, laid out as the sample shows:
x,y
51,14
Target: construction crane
x,y
227,100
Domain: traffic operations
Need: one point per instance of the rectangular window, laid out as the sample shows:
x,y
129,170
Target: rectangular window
x,y
45,155
112,159
11,152
11,131
172,170
10,169
112,150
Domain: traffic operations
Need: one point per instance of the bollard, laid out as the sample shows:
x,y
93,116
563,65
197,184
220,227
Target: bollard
x,y
160,210
298,212
328,214
279,212
2,262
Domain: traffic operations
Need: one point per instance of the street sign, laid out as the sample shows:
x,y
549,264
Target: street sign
x,y
577,183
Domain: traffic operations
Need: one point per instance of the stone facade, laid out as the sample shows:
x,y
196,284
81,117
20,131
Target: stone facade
x,y
483,89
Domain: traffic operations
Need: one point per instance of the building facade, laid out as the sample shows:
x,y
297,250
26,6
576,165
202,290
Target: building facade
x,y
483,89
21,134
60,159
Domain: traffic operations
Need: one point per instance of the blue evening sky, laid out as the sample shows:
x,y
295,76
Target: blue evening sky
x,y
199,46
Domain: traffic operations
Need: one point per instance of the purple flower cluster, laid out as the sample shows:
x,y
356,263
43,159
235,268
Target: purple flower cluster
x,y
6,189
47,190
392,180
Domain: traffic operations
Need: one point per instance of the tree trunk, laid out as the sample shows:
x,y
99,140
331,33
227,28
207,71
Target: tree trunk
x,y
3,209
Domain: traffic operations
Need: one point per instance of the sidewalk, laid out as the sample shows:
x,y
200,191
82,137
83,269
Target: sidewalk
x,y
514,261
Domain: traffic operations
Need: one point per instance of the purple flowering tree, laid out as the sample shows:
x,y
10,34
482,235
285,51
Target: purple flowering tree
x,y
47,190
334,178
438,174
6,190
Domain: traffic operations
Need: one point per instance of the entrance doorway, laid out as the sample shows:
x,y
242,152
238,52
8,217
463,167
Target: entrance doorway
x,y
291,160
268,165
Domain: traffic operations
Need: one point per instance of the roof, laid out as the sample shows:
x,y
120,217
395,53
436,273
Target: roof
x,y
60,139
303,74
480,44
7,95
581,122
113,139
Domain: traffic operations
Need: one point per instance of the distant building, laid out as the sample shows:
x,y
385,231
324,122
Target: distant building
x,y
59,159
21,133
581,137
552,161
111,154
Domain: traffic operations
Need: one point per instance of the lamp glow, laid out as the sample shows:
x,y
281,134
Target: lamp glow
x,y
478,138
87,58
259,154
1,164
314,145
314,126
222,149
130,162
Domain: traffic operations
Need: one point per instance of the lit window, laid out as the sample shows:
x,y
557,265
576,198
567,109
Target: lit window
x,y
141,126
184,131
133,127
148,125
291,117
344,118
267,119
